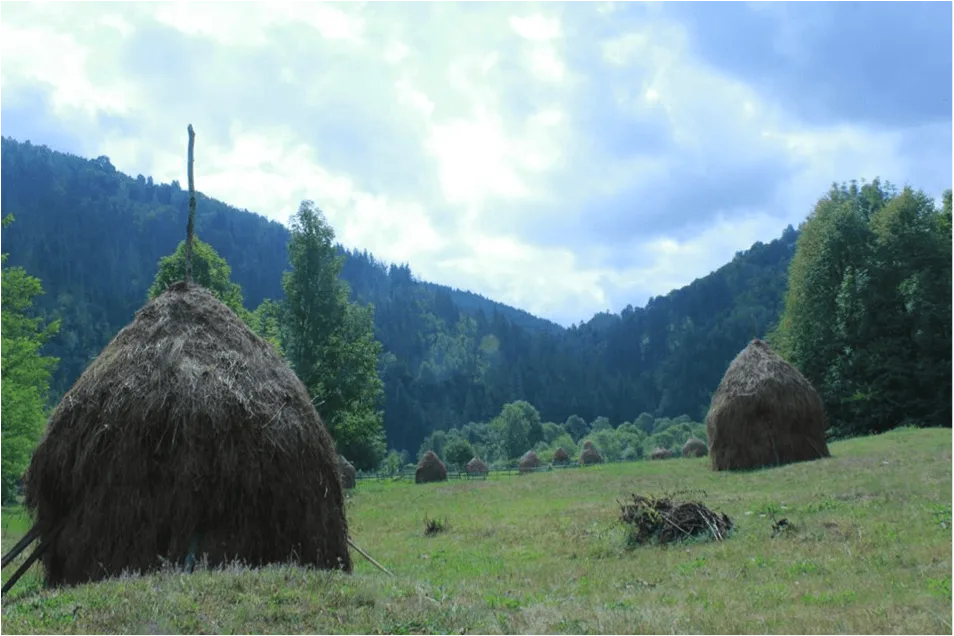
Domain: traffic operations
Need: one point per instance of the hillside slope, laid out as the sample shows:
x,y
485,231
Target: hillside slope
x,y
94,237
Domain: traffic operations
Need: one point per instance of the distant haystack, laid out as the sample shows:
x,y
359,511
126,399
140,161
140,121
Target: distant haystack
x,y
349,476
188,436
694,448
560,457
660,453
476,467
764,413
590,455
431,468
529,462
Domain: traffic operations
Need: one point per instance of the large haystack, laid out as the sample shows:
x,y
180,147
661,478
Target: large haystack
x,y
560,457
529,462
590,455
476,467
430,468
660,453
764,413
694,448
349,476
187,436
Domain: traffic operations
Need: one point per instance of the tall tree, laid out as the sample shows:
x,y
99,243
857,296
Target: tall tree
x,y
907,304
835,239
330,340
25,374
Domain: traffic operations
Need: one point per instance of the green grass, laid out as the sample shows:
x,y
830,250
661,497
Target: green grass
x,y
867,550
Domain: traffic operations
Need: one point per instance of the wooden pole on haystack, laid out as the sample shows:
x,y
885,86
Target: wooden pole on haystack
x,y
191,224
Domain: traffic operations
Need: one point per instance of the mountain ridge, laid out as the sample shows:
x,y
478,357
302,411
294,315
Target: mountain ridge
x,y
451,356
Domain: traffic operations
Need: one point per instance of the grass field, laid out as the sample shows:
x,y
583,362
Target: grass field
x,y
868,551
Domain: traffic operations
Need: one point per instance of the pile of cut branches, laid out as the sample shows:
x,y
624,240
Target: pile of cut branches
x,y
665,520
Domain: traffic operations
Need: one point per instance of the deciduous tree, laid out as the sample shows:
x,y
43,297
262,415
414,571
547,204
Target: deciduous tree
x,y
330,340
24,372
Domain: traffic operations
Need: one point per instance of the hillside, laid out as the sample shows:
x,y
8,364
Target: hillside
x,y
94,237
867,550
474,303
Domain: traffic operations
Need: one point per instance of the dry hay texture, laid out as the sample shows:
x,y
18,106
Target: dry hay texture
x,y
764,413
476,467
664,520
187,435
590,455
588,445
560,456
348,474
431,468
660,453
529,462
694,448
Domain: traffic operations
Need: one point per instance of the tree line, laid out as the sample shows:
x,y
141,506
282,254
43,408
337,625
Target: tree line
x,y
867,314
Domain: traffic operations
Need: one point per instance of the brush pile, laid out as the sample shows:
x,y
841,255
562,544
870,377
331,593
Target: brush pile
x,y
664,521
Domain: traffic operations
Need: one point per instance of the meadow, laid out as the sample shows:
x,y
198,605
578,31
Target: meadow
x,y
867,549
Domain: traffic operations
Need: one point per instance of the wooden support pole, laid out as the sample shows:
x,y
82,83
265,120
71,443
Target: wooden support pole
x,y
191,225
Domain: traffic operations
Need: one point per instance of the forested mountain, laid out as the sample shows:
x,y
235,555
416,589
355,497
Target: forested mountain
x,y
94,237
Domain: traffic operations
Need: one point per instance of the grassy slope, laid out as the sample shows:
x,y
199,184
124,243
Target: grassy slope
x,y
870,553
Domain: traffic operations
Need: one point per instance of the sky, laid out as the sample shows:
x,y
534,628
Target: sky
x,y
563,158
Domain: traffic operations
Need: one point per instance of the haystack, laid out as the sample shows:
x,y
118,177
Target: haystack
x,y
560,457
694,448
529,462
188,437
764,413
430,468
590,455
476,467
660,453
349,476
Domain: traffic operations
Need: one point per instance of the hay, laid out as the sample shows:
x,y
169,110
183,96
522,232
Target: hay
x,y
660,453
588,445
590,456
476,467
560,456
187,437
529,462
764,413
694,448
349,476
430,469
664,520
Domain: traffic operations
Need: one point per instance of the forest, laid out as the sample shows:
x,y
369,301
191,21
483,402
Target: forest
x,y
859,297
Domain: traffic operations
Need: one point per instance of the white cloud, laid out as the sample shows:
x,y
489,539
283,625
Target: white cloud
x,y
536,27
37,56
248,23
476,145
475,160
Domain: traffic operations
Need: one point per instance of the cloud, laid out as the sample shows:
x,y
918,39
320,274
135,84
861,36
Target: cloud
x,y
876,63
563,158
